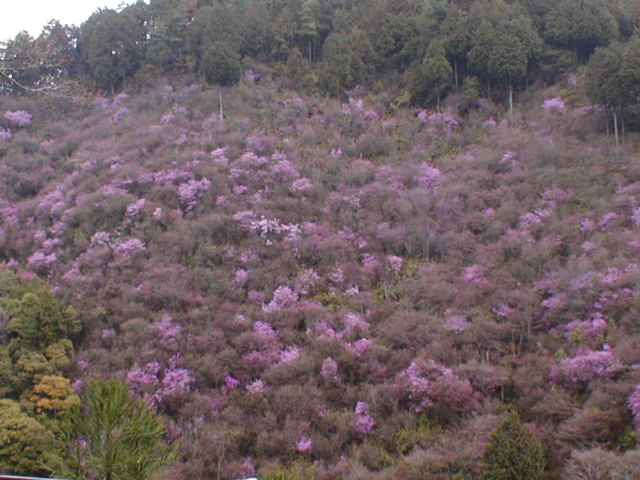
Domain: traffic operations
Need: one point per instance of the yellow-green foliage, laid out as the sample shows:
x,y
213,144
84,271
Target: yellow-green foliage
x,y
299,470
6,372
40,320
424,434
58,353
40,329
53,394
24,442
30,368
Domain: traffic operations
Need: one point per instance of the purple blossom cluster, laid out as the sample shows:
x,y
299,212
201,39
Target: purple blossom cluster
x,y
363,422
430,385
154,385
456,323
283,297
18,118
304,444
256,387
289,354
586,366
594,327
128,247
191,191
633,402
168,330
356,107
554,104
264,331
268,229
474,275
231,383
135,209
41,260
444,122
427,176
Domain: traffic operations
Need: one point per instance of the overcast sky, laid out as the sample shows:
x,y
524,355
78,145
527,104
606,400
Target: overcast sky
x,y
32,15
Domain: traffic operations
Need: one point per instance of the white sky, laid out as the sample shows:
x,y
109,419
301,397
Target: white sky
x,y
32,15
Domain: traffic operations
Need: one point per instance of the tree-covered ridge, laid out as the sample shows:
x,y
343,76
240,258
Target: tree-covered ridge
x,y
330,45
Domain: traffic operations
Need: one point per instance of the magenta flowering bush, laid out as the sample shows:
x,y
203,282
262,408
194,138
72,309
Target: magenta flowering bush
x,y
554,104
430,386
363,422
18,118
633,403
586,366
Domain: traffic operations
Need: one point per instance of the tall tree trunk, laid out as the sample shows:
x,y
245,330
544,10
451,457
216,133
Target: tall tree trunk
x,y
220,104
615,128
510,101
455,72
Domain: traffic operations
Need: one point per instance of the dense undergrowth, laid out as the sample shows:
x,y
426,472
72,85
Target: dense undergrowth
x,y
321,290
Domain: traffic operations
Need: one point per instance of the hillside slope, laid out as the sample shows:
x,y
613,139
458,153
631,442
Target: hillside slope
x,y
354,290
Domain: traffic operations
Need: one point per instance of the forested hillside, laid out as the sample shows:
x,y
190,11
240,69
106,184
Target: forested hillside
x,y
327,239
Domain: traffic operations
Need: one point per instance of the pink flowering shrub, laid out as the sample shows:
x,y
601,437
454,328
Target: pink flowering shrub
x,y
474,275
283,297
129,247
554,104
633,403
304,444
18,118
168,330
156,385
432,387
363,422
41,261
427,176
444,122
594,327
586,366
231,383
191,191
256,387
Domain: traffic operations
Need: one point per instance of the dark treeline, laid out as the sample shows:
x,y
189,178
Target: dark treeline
x,y
484,47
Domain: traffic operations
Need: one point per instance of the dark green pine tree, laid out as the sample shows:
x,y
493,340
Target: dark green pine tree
x,y
348,61
112,436
221,66
582,25
110,48
603,81
512,453
630,71
437,71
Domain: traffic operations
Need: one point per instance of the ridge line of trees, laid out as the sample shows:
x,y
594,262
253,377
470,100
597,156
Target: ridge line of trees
x,y
332,45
